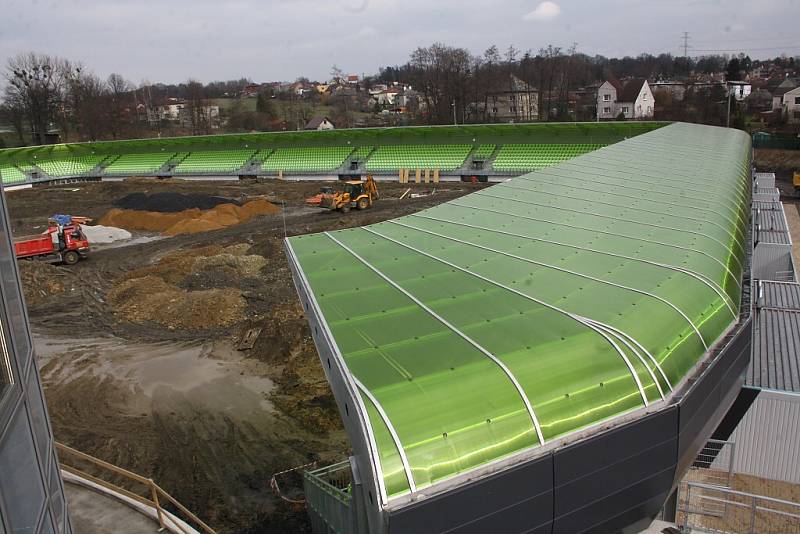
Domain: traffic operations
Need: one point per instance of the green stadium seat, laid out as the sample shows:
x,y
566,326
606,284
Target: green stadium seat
x,y
138,164
442,157
10,174
214,161
71,166
528,157
310,159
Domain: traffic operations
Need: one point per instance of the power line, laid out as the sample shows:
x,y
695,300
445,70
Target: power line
x,y
788,47
685,45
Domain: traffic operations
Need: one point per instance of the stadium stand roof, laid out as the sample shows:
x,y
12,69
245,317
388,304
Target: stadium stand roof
x,y
509,319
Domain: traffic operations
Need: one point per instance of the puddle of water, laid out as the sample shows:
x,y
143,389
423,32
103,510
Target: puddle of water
x,y
211,374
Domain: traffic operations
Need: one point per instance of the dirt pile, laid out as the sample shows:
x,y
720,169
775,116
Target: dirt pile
x,y
151,299
43,280
168,202
190,221
195,289
772,160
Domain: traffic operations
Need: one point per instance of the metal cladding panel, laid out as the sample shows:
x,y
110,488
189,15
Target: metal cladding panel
x,y
765,179
776,354
771,220
767,205
766,439
517,500
604,481
710,397
773,262
784,295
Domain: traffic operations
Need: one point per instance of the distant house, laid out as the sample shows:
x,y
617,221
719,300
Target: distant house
x,y
781,89
634,100
791,106
320,123
516,102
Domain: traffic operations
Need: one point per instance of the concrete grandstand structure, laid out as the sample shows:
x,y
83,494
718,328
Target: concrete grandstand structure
x,y
485,152
546,355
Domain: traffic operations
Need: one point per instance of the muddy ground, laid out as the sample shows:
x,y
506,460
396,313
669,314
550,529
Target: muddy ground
x,y
166,394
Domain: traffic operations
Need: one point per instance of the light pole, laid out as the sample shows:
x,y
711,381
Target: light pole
x,y
455,119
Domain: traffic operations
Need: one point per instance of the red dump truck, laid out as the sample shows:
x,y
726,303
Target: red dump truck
x,y
59,244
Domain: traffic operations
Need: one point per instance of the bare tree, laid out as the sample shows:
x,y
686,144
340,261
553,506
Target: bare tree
x,y
37,83
197,107
119,101
85,104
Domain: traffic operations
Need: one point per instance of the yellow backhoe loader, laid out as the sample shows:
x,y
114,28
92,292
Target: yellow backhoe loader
x,y
354,194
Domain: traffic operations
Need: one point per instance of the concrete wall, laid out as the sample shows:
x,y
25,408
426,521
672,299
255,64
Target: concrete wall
x,y
767,443
31,490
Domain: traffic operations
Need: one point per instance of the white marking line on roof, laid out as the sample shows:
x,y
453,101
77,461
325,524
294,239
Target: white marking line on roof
x,y
347,376
631,174
701,278
644,170
456,331
643,349
622,206
575,317
624,338
563,270
627,187
642,223
400,449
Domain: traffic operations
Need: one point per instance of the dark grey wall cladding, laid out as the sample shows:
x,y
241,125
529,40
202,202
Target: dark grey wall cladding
x,y
708,400
604,481
517,500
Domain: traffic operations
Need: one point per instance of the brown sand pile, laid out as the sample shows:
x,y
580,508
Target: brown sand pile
x,y
151,299
189,221
43,280
175,267
241,266
193,289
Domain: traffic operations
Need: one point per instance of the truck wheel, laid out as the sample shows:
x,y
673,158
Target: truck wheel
x,y
345,207
70,257
363,204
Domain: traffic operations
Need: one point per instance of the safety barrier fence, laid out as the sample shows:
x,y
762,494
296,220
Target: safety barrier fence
x,y
69,458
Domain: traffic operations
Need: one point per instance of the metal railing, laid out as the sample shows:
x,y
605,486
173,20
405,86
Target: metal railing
x,y
329,498
710,508
156,495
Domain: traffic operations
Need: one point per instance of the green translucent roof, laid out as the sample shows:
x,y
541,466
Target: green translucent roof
x,y
519,314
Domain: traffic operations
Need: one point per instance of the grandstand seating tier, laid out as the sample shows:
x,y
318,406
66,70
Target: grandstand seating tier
x,y
394,157
146,164
223,161
74,166
522,157
11,174
318,159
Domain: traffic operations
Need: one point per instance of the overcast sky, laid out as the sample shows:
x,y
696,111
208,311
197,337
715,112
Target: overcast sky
x,y
172,40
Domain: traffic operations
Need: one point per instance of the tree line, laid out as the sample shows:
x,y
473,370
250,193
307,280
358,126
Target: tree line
x,y
45,93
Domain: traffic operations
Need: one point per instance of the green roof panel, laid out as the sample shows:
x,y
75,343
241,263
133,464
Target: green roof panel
x,y
520,314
